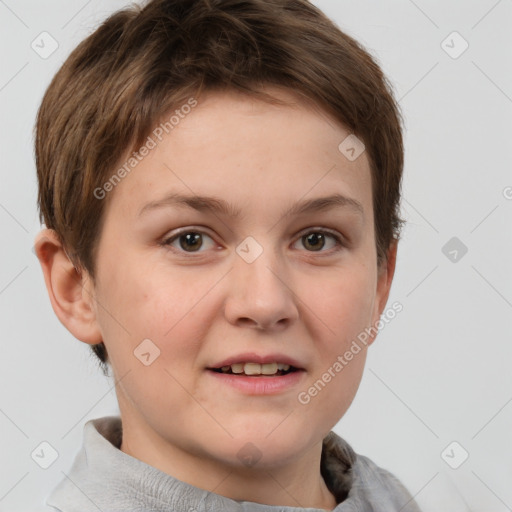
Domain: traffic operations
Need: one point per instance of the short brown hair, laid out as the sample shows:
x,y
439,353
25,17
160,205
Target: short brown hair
x,y
144,61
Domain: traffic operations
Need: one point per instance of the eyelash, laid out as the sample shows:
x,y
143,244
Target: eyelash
x,y
340,243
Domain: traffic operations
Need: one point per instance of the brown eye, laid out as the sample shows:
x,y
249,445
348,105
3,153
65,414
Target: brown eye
x,y
317,241
189,241
314,241
192,241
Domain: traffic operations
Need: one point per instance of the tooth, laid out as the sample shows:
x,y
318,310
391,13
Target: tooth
x,y
256,368
237,368
252,368
269,368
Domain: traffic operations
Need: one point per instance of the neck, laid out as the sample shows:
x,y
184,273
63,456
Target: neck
x,y
297,483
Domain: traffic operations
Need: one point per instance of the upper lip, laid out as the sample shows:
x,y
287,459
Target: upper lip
x,y
252,357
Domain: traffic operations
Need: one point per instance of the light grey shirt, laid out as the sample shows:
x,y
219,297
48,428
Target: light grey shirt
x,y
105,479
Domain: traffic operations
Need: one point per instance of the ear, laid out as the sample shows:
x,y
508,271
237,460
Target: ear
x,y
71,291
385,275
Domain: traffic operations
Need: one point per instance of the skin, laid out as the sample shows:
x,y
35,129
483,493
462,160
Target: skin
x,y
200,307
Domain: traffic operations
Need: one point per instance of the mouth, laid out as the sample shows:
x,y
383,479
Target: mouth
x,y
256,374
250,369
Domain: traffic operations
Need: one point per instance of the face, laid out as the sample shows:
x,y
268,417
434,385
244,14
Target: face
x,y
258,271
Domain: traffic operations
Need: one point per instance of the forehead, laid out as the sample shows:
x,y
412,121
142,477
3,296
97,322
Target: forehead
x,y
253,154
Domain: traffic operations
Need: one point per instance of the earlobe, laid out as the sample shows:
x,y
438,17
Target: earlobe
x,y
70,291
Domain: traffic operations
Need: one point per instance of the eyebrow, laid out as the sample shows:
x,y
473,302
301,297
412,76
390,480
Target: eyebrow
x,y
219,206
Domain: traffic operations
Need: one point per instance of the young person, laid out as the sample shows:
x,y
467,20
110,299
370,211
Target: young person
x,y
220,185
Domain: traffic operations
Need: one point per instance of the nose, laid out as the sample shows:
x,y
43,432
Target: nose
x,y
260,294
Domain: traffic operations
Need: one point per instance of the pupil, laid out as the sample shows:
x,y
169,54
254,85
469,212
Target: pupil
x,y
192,240
314,238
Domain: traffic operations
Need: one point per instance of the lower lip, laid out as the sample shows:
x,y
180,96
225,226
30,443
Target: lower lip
x,y
260,385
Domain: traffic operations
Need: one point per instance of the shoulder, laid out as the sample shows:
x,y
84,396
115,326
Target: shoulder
x,y
374,485
356,479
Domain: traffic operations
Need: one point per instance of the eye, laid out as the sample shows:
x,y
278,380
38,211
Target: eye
x,y
189,241
315,241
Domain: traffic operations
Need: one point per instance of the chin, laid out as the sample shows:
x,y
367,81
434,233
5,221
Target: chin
x,y
267,448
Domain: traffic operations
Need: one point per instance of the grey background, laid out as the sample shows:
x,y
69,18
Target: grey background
x,y
438,373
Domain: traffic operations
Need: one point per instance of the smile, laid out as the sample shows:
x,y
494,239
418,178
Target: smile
x,y
256,369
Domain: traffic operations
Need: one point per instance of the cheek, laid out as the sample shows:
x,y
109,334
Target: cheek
x,y
170,309
338,388
342,301
341,306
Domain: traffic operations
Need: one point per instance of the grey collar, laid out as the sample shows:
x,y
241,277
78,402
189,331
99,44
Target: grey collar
x,y
105,479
